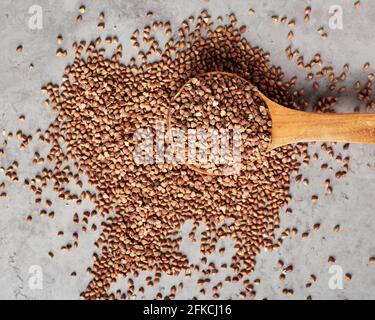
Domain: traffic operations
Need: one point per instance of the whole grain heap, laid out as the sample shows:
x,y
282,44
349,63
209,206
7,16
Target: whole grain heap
x,y
102,102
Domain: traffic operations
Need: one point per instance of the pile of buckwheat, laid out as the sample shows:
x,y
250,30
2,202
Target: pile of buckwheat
x,y
102,103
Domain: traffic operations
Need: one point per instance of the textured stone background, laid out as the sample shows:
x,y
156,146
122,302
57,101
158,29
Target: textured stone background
x,y
351,205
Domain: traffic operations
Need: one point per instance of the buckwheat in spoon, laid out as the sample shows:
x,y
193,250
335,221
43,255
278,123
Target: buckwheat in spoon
x,y
220,100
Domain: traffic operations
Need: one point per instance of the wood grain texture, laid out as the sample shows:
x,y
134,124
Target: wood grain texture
x,y
292,126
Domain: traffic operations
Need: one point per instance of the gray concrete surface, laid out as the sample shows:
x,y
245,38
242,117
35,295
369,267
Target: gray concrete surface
x,y
23,245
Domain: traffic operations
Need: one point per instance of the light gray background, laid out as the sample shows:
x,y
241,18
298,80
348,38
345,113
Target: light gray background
x,y
351,205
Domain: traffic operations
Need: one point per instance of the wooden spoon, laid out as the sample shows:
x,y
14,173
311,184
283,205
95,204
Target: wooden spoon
x,y
292,126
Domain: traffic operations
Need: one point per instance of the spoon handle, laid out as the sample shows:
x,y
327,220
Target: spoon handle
x,y
291,126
